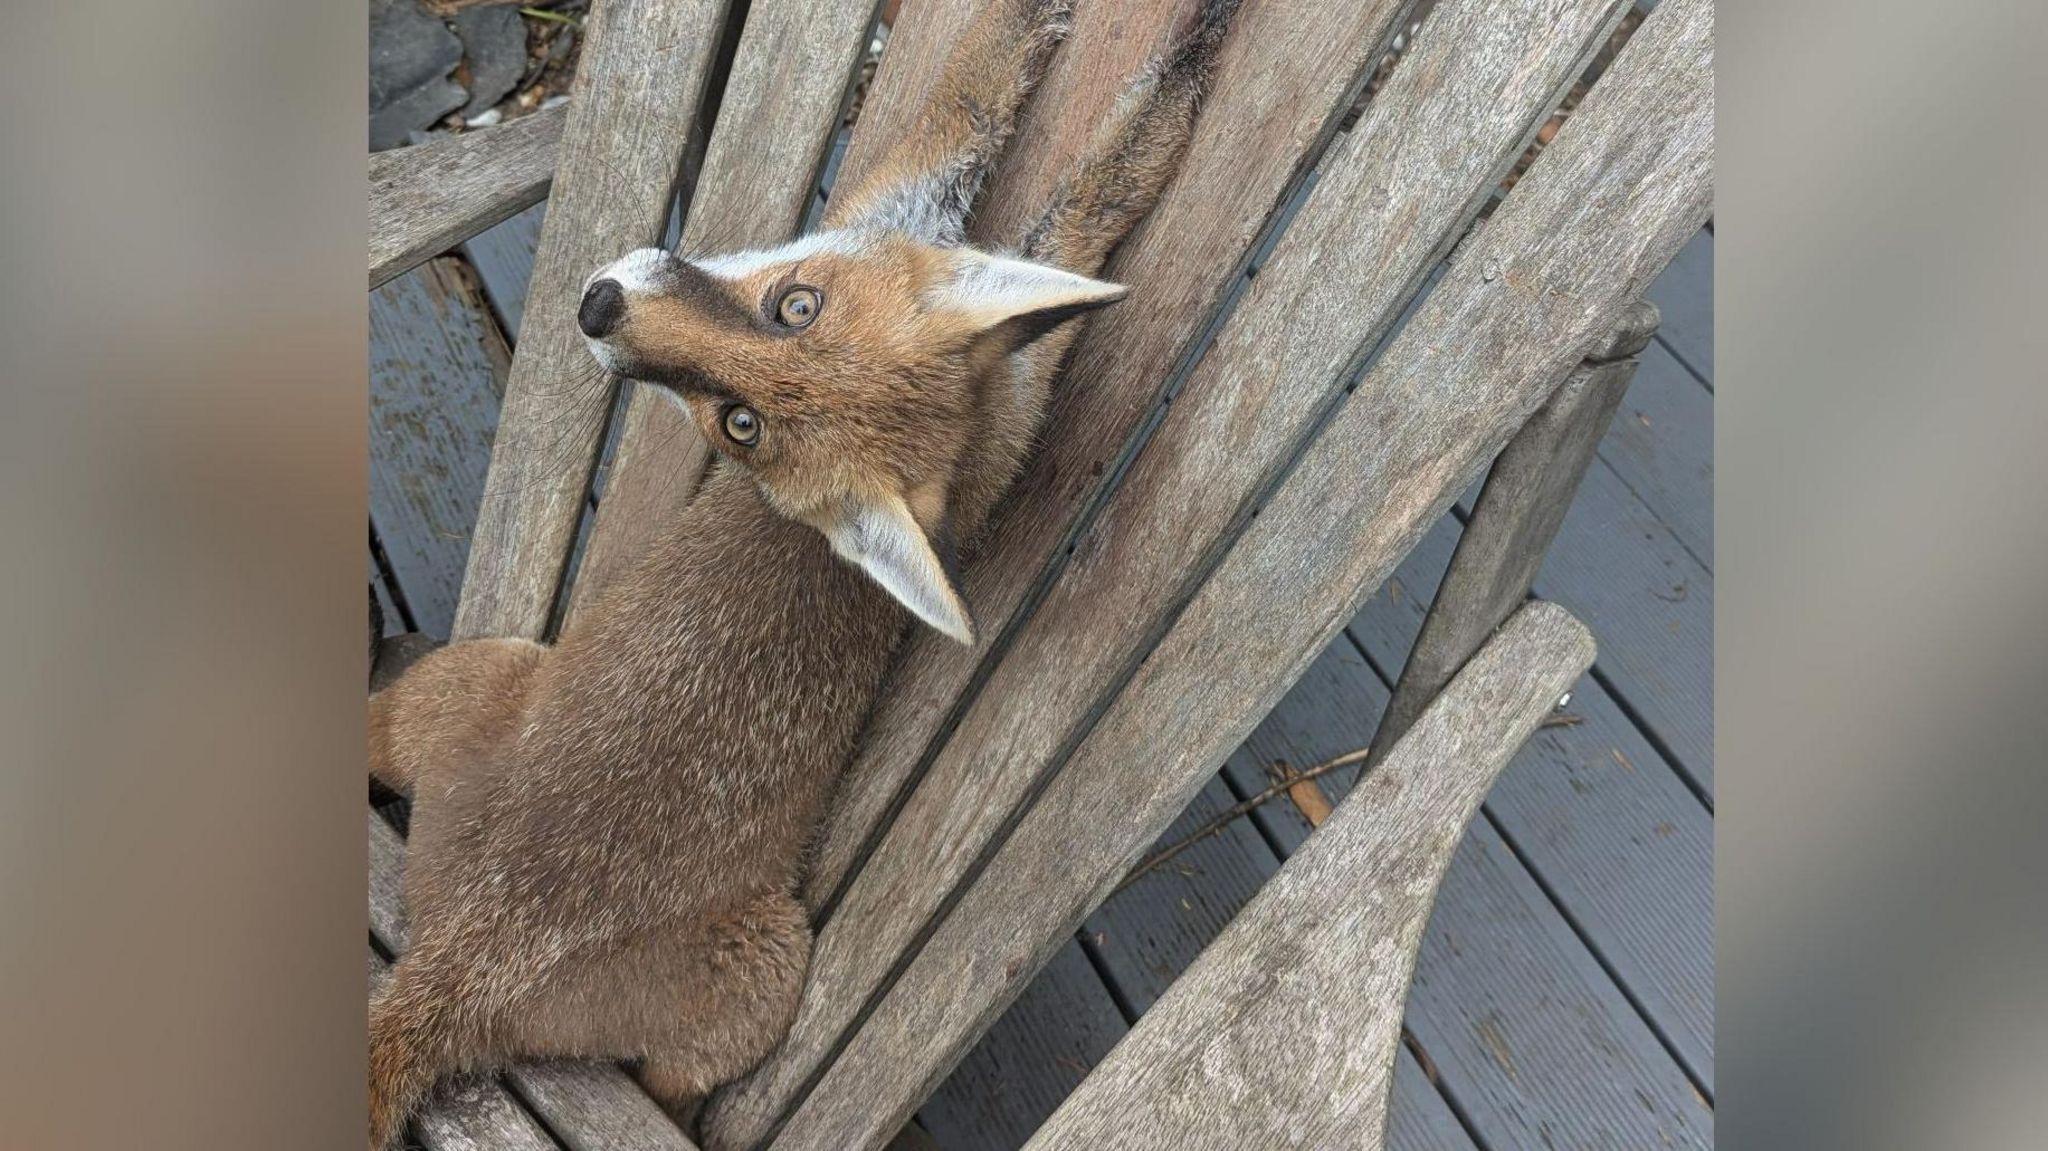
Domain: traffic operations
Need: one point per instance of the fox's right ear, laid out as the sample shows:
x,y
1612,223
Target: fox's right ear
x,y
1018,300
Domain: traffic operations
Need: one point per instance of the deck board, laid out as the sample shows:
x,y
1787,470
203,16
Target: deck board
x,y
1685,294
1600,820
1662,447
436,369
1038,1052
503,258
1616,566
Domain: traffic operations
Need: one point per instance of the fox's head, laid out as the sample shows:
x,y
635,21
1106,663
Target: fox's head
x,y
849,373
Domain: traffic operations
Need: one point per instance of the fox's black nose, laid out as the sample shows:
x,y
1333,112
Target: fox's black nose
x,y
602,307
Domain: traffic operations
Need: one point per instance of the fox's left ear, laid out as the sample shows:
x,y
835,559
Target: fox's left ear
x,y
885,540
1018,300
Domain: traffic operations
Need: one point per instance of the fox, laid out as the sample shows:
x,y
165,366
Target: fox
x,y
608,833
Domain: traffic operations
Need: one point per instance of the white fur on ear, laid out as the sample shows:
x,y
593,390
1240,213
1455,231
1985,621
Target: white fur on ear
x,y
883,538
995,290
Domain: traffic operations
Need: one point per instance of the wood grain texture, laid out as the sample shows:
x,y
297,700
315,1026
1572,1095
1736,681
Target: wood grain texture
x,y
1283,1033
436,367
1145,935
503,259
1035,1055
633,117
1265,124
1550,276
1389,203
589,1106
428,198
791,76
1523,503
1601,820
1500,939
1662,447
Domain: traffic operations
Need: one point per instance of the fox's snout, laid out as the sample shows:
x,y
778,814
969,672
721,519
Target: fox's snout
x,y
604,303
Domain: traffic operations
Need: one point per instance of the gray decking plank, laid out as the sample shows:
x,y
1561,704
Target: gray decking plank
x,y
1662,446
503,258
1149,932
1537,1046
1041,1048
1616,566
1602,821
1685,294
436,367
1588,1072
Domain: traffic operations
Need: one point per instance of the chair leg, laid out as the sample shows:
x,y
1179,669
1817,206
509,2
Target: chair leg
x,y
1519,511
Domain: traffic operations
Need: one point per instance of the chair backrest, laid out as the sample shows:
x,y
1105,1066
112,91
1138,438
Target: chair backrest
x,y
1219,487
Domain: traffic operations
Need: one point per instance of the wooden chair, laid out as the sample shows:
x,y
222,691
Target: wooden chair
x,y
1233,464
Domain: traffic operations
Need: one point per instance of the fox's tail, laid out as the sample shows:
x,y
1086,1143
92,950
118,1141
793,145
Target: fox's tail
x,y
1134,154
928,180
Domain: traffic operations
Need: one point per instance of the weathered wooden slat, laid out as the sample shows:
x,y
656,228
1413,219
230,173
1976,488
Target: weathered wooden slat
x,y
1527,492
436,366
1283,1032
503,258
1662,447
633,116
1599,818
1268,120
472,1113
1499,937
1548,277
1148,933
791,75
426,199
1059,1028
589,1106
1685,292
1389,203
394,621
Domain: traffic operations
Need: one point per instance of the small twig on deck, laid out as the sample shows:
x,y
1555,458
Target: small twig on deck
x,y
557,17
1222,821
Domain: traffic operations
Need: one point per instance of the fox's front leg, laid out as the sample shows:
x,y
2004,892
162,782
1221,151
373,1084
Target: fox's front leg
x,y
454,703
928,180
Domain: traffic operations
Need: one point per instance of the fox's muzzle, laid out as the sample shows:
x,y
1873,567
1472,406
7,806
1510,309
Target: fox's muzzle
x,y
604,304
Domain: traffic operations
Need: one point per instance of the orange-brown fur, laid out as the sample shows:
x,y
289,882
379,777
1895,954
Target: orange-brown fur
x,y
607,833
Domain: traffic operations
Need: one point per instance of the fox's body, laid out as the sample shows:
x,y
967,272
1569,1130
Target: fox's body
x,y
607,833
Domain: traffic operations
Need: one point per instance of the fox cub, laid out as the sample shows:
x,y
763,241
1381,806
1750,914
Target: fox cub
x,y
607,834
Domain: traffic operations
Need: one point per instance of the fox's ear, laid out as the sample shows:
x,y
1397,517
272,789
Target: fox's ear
x,y
1017,299
883,538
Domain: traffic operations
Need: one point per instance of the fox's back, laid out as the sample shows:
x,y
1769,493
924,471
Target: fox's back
x,y
679,742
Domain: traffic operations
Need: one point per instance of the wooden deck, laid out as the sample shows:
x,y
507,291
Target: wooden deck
x,y
1564,997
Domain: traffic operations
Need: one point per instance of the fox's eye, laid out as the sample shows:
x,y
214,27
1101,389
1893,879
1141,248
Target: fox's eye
x,y
798,307
742,426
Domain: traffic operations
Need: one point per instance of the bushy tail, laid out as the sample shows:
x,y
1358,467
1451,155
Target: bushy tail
x,y
1134,154
927,182
406,1055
